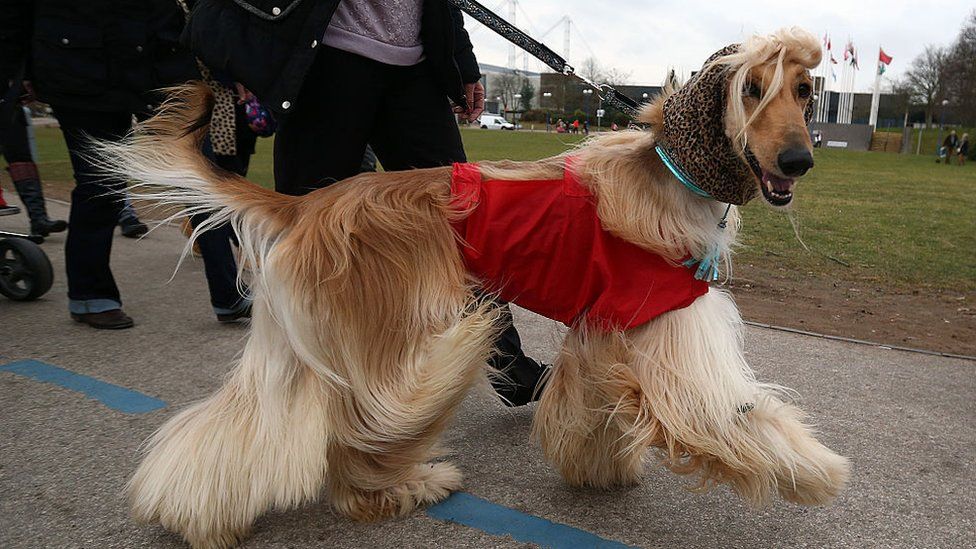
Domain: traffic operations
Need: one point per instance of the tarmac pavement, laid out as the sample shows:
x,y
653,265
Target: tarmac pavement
x,y
907,421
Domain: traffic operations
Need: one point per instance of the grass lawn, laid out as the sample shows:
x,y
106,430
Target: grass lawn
x,y
899,220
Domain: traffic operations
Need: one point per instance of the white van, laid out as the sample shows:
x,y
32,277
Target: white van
x,y
494,122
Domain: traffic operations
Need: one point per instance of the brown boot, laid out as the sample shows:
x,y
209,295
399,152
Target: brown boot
x,y
107,320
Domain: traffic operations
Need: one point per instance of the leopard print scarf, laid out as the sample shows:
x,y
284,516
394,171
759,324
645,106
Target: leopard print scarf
x,y
223,121
693,136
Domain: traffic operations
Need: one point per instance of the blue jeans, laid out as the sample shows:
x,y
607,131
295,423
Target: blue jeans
x,y
95,210
215,245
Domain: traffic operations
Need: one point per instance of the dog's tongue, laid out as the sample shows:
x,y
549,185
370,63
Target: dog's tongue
x,y
779,184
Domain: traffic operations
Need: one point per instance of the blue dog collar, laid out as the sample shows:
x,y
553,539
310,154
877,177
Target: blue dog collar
x,y
707,266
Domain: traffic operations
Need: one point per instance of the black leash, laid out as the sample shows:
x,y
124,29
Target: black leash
x,y
540,51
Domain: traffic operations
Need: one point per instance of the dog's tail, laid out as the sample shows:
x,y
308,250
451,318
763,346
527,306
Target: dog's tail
x,y
163,156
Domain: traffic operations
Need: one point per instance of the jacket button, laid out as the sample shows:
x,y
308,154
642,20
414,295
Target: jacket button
x,y
139,49
65,41
286,105
315,43
275,11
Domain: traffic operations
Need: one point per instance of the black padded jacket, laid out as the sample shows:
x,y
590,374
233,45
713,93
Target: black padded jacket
x,y
269,45
100,55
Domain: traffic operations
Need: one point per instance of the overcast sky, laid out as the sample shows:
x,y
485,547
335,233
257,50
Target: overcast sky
x,y
646,37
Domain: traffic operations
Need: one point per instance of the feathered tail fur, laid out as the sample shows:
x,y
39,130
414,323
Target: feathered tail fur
x,y
163,157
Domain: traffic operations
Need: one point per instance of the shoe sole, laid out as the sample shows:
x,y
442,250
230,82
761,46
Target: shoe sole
x,y
233,319
80,320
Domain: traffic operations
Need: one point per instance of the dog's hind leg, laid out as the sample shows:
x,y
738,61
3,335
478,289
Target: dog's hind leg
x,y
258,442
716,420
591,421
388,425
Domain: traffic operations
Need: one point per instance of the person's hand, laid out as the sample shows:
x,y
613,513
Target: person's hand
x,y
243,94
475,96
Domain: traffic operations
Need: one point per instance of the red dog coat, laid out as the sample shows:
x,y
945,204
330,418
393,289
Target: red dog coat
x,y
540,244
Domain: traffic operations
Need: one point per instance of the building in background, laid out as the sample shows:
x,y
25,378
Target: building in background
x,y
509,90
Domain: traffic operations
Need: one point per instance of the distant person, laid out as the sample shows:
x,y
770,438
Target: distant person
x,y
129,223
963,151
576,126
96,64
15,146
614,127
950,144
586,127
817,139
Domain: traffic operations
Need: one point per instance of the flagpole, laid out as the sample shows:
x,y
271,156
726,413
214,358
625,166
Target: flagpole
x,y
821,72
828,75
844,95
876,96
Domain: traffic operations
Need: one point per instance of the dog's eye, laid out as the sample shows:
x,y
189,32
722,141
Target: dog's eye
x,y
752,90
803,91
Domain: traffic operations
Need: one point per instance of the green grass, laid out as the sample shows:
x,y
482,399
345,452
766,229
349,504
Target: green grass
x,y
899,220
894,219
932,139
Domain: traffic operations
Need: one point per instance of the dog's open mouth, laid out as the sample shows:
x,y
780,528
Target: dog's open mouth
x,y
777,190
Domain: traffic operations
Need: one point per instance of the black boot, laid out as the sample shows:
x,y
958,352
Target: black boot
x,y
522,379
28,184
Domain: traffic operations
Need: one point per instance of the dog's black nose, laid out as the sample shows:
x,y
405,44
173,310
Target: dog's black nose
x,y
795,162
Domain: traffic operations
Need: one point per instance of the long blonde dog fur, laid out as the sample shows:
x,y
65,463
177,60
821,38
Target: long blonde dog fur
x,y
366,335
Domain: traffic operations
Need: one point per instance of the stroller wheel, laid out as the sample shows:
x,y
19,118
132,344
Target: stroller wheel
x,y
25,271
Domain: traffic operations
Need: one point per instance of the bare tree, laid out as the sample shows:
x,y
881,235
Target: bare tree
x,y
960,72
591,70
901,95
506,86
925,80
528,92
601,74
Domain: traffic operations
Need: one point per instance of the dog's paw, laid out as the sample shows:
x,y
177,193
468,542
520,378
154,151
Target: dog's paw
x,y
817,482
430,483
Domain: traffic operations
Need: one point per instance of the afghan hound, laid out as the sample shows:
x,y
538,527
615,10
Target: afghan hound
x,y
368,328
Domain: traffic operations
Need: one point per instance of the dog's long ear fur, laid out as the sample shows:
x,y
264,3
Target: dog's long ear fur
x,y
785,45
652,113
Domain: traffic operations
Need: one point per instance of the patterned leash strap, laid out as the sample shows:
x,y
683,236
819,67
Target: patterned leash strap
x,y
540,51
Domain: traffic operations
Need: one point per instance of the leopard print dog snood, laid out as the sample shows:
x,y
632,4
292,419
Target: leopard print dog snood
x,y
694,140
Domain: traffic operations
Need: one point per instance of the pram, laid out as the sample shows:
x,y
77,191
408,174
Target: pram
x,y
25,270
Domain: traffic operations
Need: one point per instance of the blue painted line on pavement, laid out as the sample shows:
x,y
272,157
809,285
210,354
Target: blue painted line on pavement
x,y
469,510
113,396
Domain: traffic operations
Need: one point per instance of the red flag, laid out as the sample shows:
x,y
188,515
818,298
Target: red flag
x,y
884,57
828,43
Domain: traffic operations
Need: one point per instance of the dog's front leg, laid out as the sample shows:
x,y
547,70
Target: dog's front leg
x,y
592,422
388,423
258,442
716,419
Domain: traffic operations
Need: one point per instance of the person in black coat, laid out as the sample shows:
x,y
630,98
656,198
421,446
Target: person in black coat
x,y
97,63
344,75
949,144
15,148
